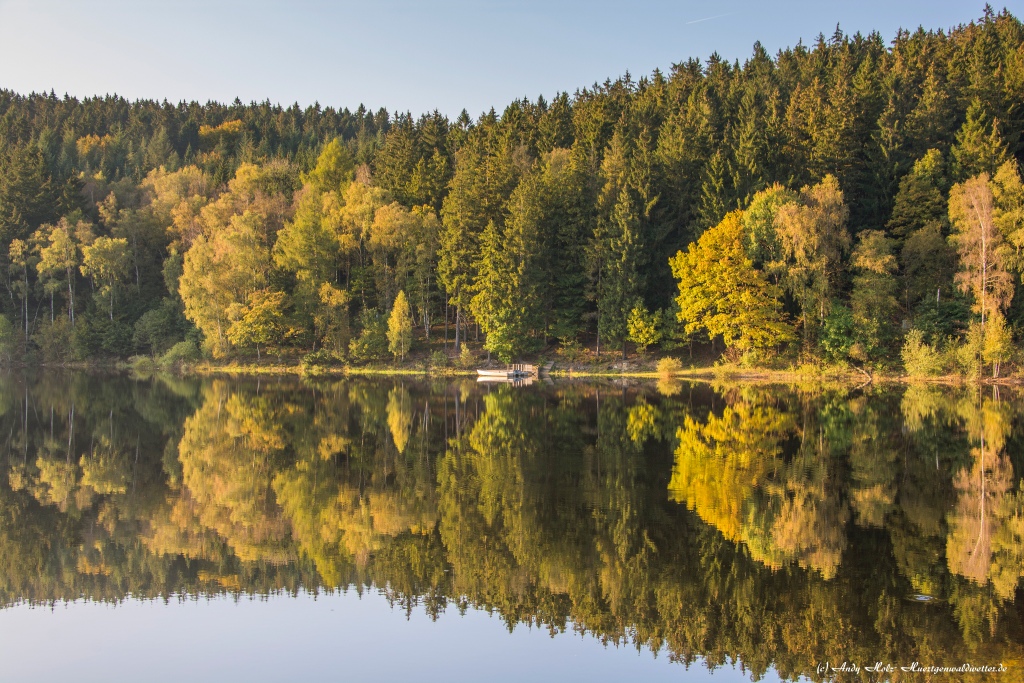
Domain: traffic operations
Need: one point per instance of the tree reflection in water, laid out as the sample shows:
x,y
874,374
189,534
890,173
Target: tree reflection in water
x,y
769,525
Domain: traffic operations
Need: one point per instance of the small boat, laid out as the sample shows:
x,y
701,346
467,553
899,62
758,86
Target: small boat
x,y
502,374
512,372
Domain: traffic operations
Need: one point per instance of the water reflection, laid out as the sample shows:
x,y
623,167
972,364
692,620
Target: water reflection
x,y
771,526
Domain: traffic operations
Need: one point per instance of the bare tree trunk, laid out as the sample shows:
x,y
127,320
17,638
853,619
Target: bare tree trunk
x,y
71,300
24,305
458,315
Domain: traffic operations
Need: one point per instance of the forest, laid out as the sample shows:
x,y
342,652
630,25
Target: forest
x,y
850,201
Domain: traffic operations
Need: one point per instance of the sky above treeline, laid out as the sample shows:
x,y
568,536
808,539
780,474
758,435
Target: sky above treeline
x,y
406,55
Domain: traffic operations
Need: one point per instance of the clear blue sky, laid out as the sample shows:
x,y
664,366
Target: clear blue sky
x,y
414,55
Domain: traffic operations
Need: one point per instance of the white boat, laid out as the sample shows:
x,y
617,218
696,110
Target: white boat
x,y
517,371
500,374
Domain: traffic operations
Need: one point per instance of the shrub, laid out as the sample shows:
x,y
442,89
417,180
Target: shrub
x,y
182,353
143,366
667,367
314,363
571,350
467,359
55,340
438,359
919,358
968,353
8,338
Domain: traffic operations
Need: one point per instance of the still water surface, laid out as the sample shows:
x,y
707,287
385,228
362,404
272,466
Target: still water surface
x,y
396,530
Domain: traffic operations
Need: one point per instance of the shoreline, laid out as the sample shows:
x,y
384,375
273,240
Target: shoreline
x,y
823,375
708,374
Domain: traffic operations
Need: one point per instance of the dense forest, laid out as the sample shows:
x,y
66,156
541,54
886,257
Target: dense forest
x,y
849,201
774,528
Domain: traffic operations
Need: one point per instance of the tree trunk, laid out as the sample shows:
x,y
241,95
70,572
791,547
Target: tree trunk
x,y
458,314
24,305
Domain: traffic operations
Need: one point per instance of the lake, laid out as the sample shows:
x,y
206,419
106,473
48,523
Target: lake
x,y
175,529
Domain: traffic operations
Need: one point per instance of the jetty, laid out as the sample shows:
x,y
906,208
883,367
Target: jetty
x,y
517,372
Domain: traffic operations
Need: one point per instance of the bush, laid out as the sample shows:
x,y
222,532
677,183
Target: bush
x,y
571,350
968,353
438,359
144,366
8,339
158,329
467,359
919,358
55,340
314,363
667,367
180,354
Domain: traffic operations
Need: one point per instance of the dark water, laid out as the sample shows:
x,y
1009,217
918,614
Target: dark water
x,y
394,530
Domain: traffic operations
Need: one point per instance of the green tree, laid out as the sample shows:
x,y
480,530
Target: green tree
x,y
620,280
919,222
919,201
548,220
979,147
873,299
27,197
503,301
464,217
372,342
764,245
308,247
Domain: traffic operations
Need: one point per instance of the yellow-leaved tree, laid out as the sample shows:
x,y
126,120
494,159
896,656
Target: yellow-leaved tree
x,y
400,327
721,292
